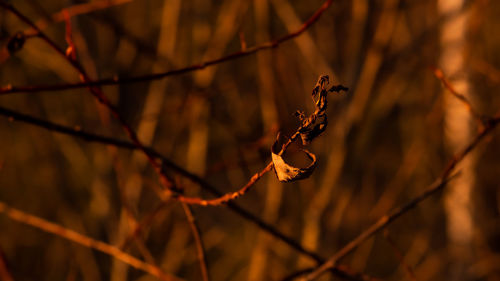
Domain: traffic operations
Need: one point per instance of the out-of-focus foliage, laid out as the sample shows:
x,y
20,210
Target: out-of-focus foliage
x,y
384,142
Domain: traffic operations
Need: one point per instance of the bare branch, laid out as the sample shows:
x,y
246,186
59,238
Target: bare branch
x,y
399,255
83,240
440,75
198,241
15,116
116,81
5,274
385,220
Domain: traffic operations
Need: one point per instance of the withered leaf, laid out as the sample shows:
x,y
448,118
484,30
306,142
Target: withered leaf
x,y
307,134
288,173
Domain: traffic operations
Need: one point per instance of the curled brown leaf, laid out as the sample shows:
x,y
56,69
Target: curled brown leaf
x,y
286,172
318,126
310,128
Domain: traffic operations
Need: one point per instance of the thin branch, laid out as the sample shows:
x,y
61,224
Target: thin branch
x,y
15,116
83,240
198,241
115,81
99,95
228,196
385,220
136,233
440,75
71,50
80,9
128,210
5,274
409,271
169,190
306,123
340,271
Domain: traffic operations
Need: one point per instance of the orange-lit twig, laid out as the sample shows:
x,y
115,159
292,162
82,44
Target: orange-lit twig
x,y
15,116
409,271
71,11
83,240
200,249
136,232
228,196
385,220
116,81
486,69
489,124
243,42
80,9
68,36
440,75
169,190
342,271
101,97
5,274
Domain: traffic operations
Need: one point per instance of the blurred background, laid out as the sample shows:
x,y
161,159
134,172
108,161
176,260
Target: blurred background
x,y
388,137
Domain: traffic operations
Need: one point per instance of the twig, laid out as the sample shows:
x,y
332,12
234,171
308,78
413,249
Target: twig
x,y
222,198
340,271
141,225
71,50
198,241
228,196
440,75
400,256
99,95
385,220
81,239
15,116
165,181
80,9
321,91
115,81
5,274
96,92
128,210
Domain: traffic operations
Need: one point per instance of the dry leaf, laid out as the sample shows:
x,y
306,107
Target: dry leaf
x,y
287,173
307,134
310,128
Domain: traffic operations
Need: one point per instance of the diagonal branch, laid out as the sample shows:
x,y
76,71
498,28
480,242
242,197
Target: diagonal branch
x,y
81,239
15,116
397,252
5,274
440,75
99,95
385,220
116,81
169,188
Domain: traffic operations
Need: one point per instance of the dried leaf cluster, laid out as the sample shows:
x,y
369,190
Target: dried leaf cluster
x,y
310,128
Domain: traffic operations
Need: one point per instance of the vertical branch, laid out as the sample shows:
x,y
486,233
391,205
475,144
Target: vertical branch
x,y
198,241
